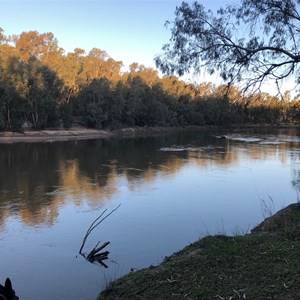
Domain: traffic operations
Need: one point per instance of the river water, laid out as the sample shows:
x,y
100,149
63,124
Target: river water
x,y
173,189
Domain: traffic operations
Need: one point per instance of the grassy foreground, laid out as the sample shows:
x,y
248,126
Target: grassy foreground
x,y
262,265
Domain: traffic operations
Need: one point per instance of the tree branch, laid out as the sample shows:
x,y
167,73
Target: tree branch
x,y
233,42
94,253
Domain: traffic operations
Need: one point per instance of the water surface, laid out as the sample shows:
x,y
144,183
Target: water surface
x,y
173,189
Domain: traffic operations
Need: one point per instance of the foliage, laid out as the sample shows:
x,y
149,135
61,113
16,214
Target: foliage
x,y
251,42
92,102
42,85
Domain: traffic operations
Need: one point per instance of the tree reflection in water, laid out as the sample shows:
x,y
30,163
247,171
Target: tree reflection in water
x,y
37,178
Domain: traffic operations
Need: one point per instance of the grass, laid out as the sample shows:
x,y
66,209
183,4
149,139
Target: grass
x,y
262,265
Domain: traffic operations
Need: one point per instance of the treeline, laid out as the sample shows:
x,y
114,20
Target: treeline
x,y
45,87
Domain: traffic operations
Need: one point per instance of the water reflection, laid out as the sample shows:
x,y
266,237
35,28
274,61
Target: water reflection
x,y
51,192
36,179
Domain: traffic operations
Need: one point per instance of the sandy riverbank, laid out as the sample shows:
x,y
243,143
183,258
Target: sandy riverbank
x,y
52,135
80,133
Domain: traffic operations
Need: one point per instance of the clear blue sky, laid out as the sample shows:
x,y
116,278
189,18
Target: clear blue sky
x,y
130,31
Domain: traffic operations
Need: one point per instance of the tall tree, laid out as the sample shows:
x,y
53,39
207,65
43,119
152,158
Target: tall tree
x,y
249,43
98,64
91,104
39,45
6,50
117,105
149,75
40,88
70,70
12,104
43,95
12,108
135,109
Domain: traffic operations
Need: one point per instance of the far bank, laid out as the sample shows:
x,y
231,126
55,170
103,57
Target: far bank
x,y
82,133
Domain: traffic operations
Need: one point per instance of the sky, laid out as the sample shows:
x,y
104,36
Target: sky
x,y
129,31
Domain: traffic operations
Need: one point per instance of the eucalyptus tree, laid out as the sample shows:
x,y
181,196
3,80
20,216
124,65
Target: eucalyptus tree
x,y
71,70
117,105
98,64
12,108
12,104
91,105
33,43
6,49
31,90
135,108
251,42
42,90
149,75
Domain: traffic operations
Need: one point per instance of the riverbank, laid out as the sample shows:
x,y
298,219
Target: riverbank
x,y
82,133
262,265
77,133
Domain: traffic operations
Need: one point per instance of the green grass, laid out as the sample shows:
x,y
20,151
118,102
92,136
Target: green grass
x,y
262,265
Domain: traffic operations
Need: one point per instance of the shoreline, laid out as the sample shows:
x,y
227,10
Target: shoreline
x,y
81,133
48,136
57,135
262,264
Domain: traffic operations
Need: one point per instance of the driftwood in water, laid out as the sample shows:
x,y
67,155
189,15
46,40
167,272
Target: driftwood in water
x,y
95,254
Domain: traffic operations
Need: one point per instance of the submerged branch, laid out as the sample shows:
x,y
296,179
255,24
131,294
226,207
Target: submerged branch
x,y
95,253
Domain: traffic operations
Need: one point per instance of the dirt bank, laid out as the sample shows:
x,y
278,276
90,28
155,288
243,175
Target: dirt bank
x,y
81,134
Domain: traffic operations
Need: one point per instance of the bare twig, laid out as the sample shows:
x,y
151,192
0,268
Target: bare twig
x,y
89,231
95,253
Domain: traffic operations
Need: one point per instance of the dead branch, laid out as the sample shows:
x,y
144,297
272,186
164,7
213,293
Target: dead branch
x,y
95,254
95,251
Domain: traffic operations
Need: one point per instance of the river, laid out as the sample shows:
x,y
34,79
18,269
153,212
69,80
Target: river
x,y
173,189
